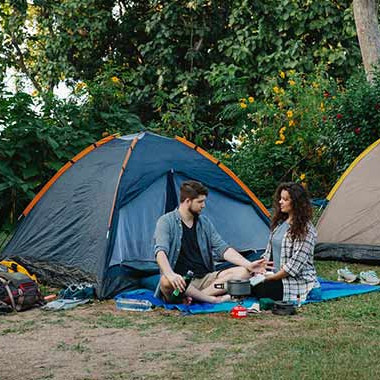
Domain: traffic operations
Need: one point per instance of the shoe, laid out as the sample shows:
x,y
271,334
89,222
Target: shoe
x,y
369,278
346,275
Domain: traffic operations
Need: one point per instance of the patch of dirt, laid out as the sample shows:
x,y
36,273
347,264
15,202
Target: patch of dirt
x,y
74,345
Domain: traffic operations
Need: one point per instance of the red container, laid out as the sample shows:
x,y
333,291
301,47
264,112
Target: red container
x,y
239,311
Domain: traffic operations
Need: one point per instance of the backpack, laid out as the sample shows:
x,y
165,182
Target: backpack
x,y
18,291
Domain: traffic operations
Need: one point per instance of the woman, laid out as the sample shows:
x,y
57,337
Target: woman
x,y
290,247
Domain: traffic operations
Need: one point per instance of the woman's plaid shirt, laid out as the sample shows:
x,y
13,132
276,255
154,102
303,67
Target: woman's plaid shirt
x,y
297,260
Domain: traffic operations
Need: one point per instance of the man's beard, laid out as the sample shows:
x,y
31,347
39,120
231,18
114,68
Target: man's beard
x,y
195,213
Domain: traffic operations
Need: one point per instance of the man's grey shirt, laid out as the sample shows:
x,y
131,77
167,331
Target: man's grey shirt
x,y
168,238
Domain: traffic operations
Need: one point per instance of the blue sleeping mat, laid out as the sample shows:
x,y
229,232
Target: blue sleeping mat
x,y
328,290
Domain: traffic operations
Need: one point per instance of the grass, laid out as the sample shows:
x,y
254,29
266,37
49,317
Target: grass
x,y
80,347
20,327
330,340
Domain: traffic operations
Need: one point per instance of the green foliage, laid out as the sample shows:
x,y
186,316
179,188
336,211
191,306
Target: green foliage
x,y
179,68
285,135
182,63
49,41
40,134
355,117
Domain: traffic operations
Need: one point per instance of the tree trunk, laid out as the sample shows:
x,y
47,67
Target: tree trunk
x,y
367,28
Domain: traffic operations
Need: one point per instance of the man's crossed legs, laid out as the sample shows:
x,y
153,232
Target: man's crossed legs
x,y
203,289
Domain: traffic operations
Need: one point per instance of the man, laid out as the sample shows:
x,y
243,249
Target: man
x,y
186,240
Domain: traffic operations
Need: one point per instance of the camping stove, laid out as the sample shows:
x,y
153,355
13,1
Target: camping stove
x,y
239,311
238,290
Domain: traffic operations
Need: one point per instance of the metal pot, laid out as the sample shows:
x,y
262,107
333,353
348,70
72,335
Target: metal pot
x,y
236,288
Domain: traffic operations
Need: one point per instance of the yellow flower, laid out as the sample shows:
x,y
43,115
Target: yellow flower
x,y
282,130
291,123
191,5
280,104
243,105
282,91
34,93
291,72
282,74
276,90
278,142
302,176
291,82
322,106
315,84
289,114
115,79
79,86
251,99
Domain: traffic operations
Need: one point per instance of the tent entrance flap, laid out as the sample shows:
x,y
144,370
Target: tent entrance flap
x,y
137,221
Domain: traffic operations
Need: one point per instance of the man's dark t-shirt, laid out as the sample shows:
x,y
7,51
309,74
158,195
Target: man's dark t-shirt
x,y
190,257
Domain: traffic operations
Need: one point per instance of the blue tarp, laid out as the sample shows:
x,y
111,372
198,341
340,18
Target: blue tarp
x,y
329,290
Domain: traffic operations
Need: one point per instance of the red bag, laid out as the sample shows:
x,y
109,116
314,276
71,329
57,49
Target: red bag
x,y
19,291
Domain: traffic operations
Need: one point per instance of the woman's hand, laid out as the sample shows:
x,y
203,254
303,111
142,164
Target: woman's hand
x,y
276,276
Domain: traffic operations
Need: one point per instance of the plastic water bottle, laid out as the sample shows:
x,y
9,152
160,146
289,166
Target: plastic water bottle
x,y
129,304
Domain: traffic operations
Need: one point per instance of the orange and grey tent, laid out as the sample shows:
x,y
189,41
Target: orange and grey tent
x,y
349,228
97,215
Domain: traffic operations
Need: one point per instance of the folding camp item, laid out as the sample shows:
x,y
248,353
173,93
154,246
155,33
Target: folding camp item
x,y
349,229
98,213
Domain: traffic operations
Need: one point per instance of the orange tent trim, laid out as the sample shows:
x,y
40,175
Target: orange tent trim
x,y
63,169
125,162
227,171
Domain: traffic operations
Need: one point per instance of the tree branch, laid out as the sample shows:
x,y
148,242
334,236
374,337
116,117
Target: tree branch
x,y
22,65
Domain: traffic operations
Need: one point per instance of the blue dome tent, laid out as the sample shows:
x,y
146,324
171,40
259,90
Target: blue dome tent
x,y
98,213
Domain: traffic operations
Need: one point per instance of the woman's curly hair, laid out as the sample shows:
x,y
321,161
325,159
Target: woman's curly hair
x,y
302,210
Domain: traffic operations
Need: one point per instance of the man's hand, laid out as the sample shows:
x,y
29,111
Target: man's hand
x,y
176,281
259,266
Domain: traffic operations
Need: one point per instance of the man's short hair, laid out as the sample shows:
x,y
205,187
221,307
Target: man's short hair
x,y
192,190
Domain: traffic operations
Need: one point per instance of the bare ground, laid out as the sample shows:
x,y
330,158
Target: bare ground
x,y
92,342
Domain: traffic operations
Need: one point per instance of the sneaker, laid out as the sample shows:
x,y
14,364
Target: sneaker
x,y
369,278
346,275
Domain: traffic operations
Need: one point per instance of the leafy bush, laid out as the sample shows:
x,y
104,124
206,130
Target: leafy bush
x,y
39,134
285,136
355,117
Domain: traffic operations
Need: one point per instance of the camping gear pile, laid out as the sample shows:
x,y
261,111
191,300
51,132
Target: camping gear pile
x,y
96,217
